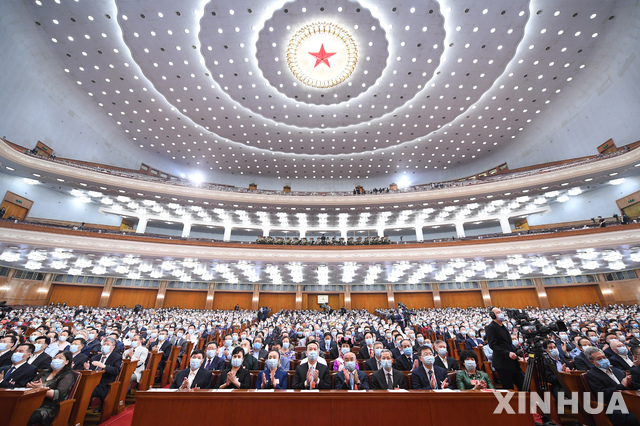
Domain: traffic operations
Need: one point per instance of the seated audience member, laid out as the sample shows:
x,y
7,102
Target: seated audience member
x,y
635,370
137,353
407,360
443,359
603,378
285,363
327,343
272,377
388,377
350,377
554,354
58,379
250,362
63,341
236,376
6,349
161,344
366,351
427,375
312,374
581,362
469,377
472,341
20,372
78,358
212,361
257,350
345,347
92,342
620,357
108,360
286,350
40,359
195,376
374,363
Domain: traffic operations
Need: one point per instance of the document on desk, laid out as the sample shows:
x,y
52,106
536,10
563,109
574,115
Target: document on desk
x,y
266,390
225,390
19,389
397,390
310,390
356,390
446,390
162,390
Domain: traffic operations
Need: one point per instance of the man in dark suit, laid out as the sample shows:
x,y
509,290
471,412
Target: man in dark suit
x,y
20,372
327,343
161,343
366,351
388,377
93,344
335,350
557,363
108,360
312,374
258,350
564,345
79,358
40,359
397,347
212,361
407,361
195,376
620,358
374,364
350,377
635,370
603,378
427,375
443,359
472,341
505,360
580,361
6,349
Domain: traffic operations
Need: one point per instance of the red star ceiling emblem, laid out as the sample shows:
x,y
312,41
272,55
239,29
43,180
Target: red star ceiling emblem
x,y
322,56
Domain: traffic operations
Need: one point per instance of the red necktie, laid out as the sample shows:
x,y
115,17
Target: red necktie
x,y
370,353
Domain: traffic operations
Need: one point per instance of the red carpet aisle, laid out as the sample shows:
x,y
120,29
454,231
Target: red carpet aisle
x,y
122,419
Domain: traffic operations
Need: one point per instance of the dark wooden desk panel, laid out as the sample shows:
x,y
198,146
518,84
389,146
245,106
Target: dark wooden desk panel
x,y
632,400
322,408
16,406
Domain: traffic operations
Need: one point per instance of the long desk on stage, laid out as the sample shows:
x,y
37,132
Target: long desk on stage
x,y
330,407
16,406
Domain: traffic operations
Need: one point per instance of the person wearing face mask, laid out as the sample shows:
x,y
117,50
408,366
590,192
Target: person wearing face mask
x,y
345,347
20,372
93,344
40,359
388,377
472,341
427,375
78,358
109,361
620,358
442,357
272,377
6,349
235,376
375,363
469,377
407,360
312,374
212,361
193,377
58,378
137,352
257,349
580,360
604,380
635,370
550,347
350,377
505,360
249,362
366,351
327,343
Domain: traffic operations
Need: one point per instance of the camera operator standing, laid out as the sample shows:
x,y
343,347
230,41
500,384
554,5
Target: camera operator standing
x,y
505,360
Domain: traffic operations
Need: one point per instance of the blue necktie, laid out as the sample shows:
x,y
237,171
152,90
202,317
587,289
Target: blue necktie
x,y
11,370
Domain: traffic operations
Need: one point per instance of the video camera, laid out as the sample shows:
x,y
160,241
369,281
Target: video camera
x,y
534,330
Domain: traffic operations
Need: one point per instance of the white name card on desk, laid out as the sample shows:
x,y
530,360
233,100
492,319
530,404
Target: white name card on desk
x,y
356,390
397,390
310,390
162,390
19,389
446,390
225,390
266,390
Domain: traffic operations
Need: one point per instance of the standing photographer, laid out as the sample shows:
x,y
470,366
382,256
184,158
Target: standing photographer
x,y
505,360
